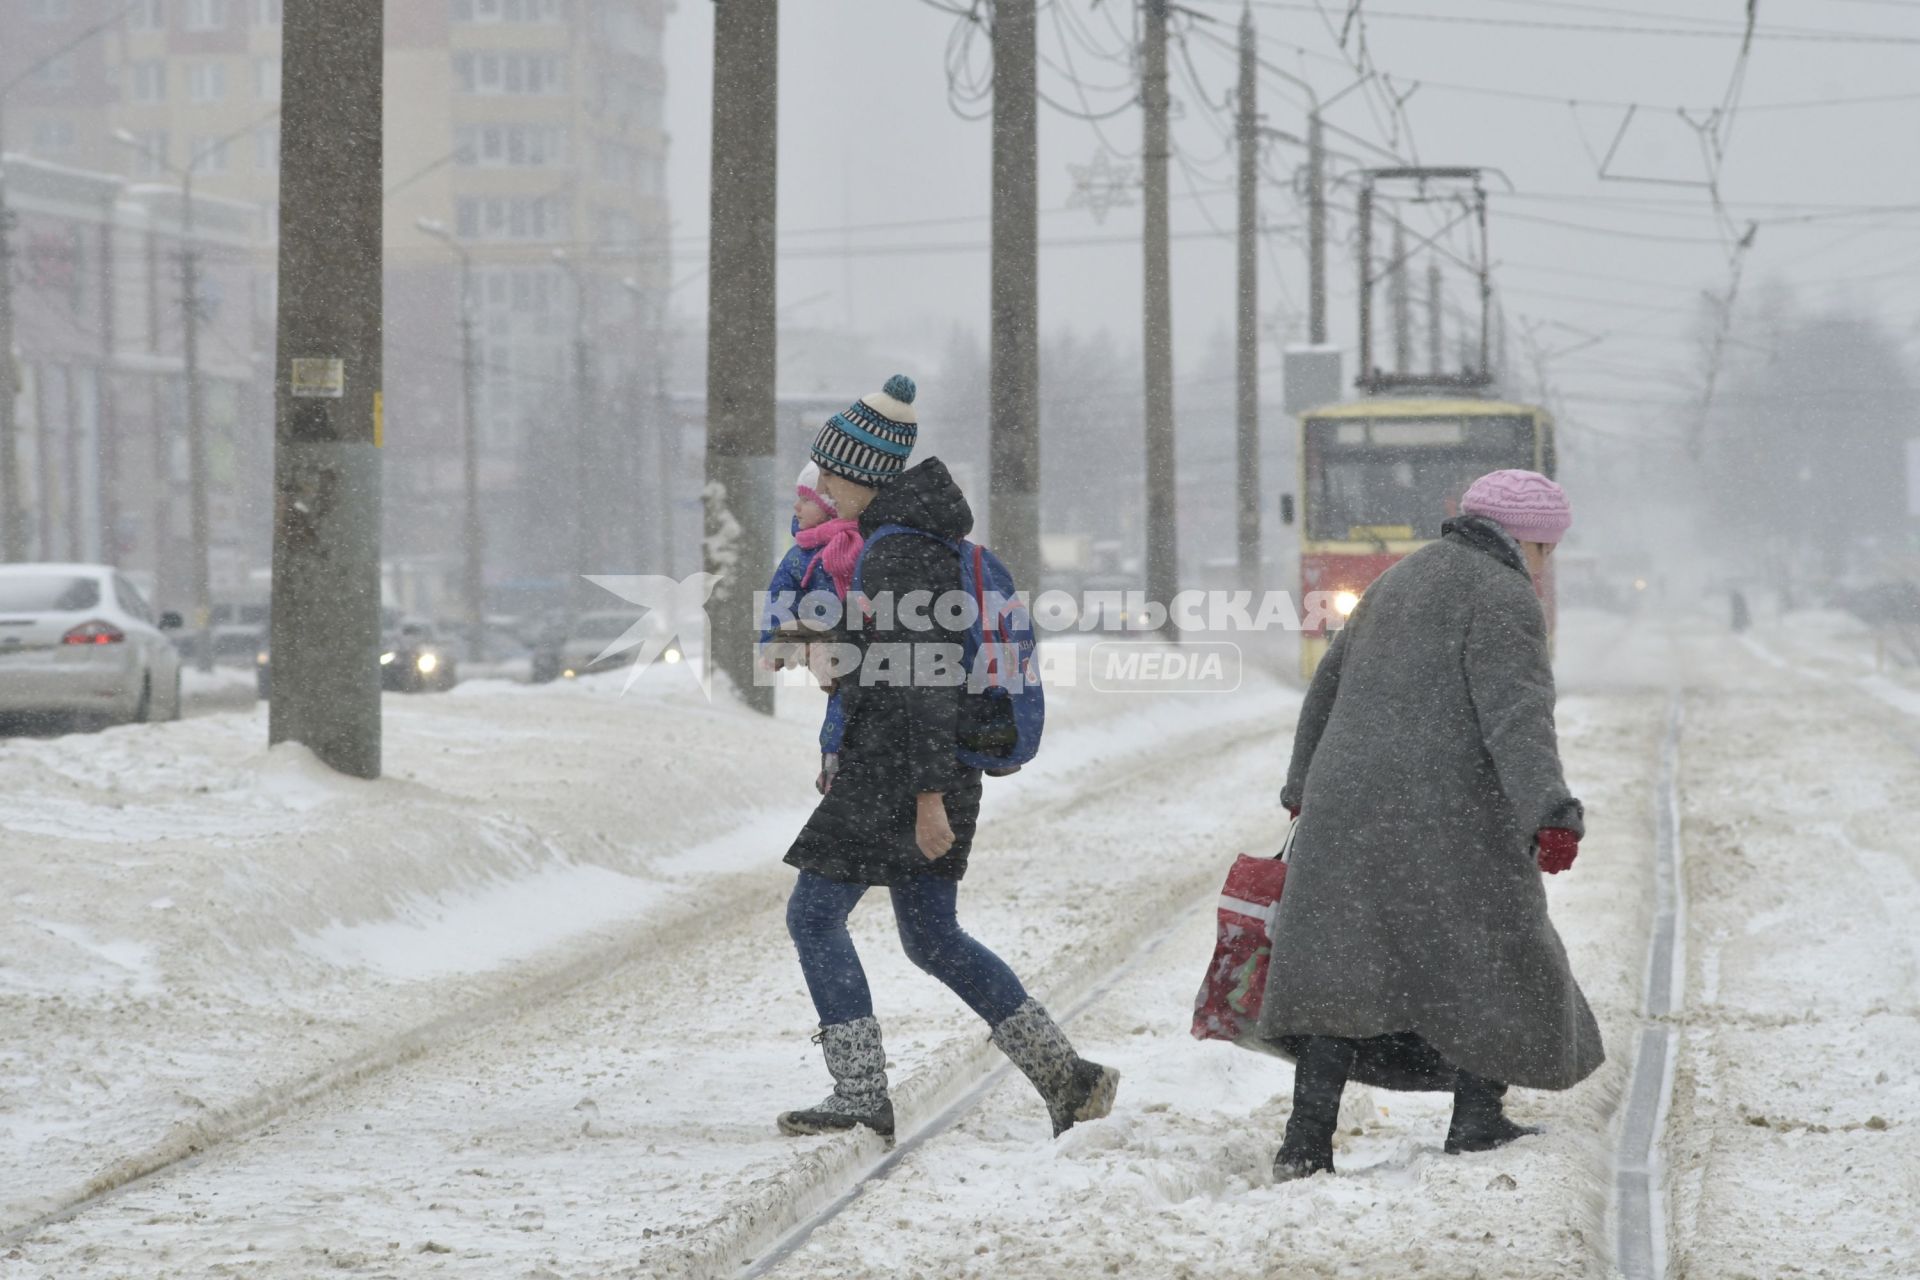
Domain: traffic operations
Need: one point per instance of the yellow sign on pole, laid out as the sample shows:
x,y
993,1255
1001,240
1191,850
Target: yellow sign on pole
x,y
379,419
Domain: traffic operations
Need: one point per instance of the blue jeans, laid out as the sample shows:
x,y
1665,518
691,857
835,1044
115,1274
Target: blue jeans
x,y
923,908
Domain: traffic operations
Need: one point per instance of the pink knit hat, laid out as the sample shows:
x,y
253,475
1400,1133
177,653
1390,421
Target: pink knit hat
x,y
1525,503
808,488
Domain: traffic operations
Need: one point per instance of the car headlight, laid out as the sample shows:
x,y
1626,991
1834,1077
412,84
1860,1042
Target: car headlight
x,y
260,658
1345,602
427,663
672,654
569,673
386,659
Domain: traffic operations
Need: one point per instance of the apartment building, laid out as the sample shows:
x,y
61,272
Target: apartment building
x,y
521,127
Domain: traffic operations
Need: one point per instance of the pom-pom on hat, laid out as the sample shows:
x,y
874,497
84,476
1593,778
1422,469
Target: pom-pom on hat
x,y
1525,503
808,488
870,442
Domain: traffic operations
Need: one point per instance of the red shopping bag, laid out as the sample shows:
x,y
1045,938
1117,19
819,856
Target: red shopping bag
x,y
1228,1006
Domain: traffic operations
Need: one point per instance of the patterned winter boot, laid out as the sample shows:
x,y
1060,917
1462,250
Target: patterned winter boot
x,y
1479,1121
1073,1088
859,1067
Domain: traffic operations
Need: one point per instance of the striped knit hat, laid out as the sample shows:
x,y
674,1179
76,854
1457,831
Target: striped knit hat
x,y
869,443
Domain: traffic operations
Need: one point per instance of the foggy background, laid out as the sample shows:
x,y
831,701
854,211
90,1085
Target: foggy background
x,y
1635,148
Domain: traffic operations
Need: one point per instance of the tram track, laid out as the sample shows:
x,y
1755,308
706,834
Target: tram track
x,y
233,1124
1638,1206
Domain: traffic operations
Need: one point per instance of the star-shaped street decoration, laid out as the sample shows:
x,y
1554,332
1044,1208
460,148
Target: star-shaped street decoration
x,y
1102,186
675,610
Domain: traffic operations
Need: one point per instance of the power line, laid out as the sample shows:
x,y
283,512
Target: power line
x,y
1772,34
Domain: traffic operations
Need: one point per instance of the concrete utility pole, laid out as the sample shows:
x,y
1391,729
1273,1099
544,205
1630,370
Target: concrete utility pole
x,y
1436,334
1400,295
1247,344
327,376
1163,534
741,330
1013,407
472,532
1316,232
13,524
108,487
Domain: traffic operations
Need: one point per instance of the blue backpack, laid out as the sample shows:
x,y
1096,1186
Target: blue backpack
x,y
1005,708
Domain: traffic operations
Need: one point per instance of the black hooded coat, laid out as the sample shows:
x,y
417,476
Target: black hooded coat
x,y
901,735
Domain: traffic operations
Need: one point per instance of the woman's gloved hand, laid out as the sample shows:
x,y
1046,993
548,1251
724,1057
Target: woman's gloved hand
x,y
1558,847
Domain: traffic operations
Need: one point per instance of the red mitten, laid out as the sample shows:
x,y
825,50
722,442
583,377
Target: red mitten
x,y
1293,810
1558,848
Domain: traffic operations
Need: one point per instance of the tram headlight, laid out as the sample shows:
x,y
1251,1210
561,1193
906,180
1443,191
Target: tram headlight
x,y
1345,602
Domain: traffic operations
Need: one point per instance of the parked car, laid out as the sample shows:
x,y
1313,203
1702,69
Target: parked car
x,y
78,643
574,650
412,660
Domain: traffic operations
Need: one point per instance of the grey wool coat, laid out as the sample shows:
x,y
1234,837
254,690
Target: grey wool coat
x,y
1424,762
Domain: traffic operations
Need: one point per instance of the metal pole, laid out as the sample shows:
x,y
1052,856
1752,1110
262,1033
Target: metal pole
x,y
1163,545
741,330
1486,283
1366,284
1316,232
1247,346
585,509
108,487
196,431
75,532
1436,338
13,525
1013,412
475,534
326,538
1400,294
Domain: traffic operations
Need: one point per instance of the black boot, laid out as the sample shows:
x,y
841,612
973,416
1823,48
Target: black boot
x,y
1479,1121
1319,1077
859,1068
1073,1088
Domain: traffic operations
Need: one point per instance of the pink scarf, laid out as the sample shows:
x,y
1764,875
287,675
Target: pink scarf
x,y
838,543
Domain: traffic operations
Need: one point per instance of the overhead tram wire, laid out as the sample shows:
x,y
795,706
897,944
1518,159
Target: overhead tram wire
x,y
1770,34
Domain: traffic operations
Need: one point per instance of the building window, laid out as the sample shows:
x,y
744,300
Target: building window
x,y
150,153
266,79
510,73
53,135
209,155
512,217
206,15
147,15
266,148
515,146
207,81
507,10
266,13
56,71
147,81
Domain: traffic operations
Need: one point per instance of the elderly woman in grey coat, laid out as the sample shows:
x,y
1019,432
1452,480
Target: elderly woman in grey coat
x,y
1412,948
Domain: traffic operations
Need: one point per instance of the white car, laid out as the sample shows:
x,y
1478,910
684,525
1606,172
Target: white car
x,y
78,642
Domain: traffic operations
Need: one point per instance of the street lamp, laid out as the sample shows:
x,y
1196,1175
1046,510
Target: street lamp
x,y
470,463
582,410
663,425
190,350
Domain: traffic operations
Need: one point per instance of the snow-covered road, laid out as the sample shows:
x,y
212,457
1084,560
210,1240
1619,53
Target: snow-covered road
x,y
636,1016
